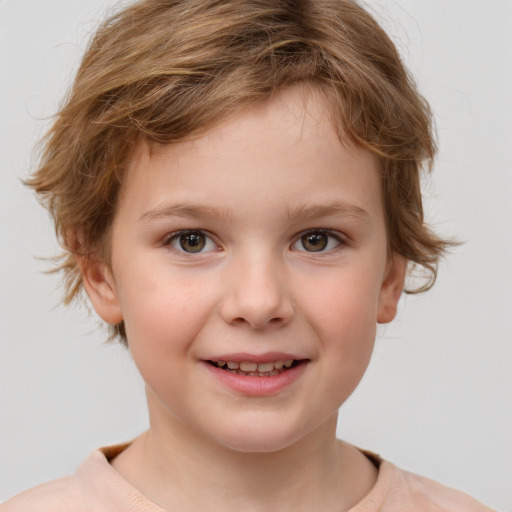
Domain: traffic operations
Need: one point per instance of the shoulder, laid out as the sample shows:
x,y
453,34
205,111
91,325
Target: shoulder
x,y
397,490
409,491
60,495
93,485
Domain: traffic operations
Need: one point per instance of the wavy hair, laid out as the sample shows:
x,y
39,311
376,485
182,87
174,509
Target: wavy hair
x,y
163,70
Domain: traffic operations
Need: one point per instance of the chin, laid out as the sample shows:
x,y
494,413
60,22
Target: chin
x,y
265,439
260,445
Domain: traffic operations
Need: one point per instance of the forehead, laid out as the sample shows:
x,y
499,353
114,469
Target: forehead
x,y
283,150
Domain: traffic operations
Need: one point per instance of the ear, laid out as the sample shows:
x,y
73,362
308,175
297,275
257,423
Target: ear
x,y
391,288
100,287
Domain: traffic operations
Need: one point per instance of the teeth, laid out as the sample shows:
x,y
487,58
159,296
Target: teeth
x,y
248,367
253,369
265,367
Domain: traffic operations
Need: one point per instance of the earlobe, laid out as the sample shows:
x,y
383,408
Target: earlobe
x,y
391,289
100,287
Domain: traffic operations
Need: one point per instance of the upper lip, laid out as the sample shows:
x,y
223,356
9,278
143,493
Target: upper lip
x,y
255,358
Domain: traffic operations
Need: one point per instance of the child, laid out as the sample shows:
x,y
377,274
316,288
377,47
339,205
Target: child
x,y
236,184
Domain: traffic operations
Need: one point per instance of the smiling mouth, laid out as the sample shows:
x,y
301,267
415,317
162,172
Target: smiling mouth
x,y
251,369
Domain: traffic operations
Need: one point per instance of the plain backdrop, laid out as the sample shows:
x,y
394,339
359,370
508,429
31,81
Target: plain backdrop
x,y
437,398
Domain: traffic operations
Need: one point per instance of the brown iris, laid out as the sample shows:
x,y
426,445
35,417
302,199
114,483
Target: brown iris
x,y
315,242
193,241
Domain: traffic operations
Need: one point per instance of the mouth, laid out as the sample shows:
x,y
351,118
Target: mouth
x,y
253,369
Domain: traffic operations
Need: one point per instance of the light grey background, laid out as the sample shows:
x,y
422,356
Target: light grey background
x,y
437,396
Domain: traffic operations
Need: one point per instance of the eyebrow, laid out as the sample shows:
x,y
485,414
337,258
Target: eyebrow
x,y
332,209
302,213
186,210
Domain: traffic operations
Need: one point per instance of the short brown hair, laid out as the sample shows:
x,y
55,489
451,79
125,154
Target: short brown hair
x,y
162,70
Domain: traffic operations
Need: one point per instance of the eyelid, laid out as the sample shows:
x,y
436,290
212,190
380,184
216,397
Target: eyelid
x,y
175,235
336,235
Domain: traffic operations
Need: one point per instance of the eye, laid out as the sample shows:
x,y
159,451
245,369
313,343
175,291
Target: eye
x,y
191,242
316,241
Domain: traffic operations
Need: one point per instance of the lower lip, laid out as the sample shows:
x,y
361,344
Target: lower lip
x,y
258,386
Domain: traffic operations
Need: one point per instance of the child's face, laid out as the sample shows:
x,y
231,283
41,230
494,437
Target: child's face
x,y
260,242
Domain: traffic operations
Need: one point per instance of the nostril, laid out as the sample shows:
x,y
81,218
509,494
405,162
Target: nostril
x,y
257,323
255,308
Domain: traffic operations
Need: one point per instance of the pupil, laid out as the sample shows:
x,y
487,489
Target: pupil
x,y
315,242
192,242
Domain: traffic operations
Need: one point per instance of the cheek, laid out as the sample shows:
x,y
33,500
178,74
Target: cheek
x,y
343,303
162,316
343,313
345,322
161,326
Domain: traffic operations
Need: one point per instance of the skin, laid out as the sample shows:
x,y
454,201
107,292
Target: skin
x,y
254,185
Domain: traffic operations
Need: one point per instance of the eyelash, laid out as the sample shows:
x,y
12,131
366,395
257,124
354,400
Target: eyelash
x,y
176,236
208,242
340,241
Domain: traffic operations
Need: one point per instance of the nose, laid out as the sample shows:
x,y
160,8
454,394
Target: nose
x,y
257,295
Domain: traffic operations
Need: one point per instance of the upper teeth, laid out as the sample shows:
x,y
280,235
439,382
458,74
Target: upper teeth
x,y
247,366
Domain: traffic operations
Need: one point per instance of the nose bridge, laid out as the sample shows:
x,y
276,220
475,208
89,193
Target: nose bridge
x,y
257,294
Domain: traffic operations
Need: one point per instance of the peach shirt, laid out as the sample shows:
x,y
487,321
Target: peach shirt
x,y
97,487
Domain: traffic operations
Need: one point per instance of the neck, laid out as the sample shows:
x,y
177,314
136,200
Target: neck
x,y
318,472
